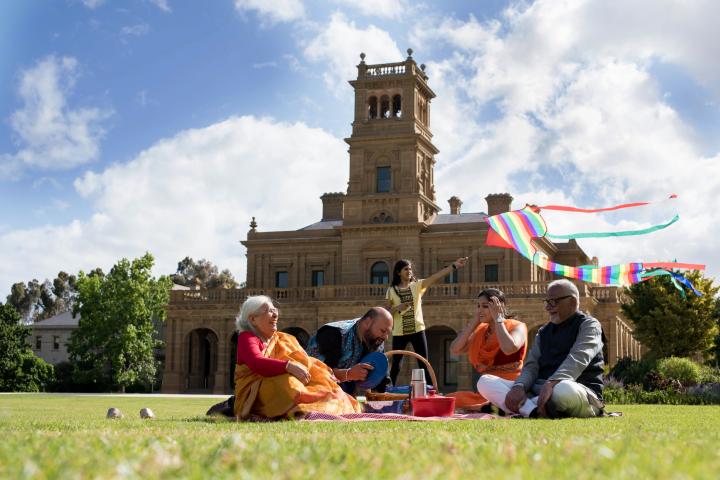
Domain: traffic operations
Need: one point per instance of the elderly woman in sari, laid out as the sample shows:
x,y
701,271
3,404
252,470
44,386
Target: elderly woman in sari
x,y
494,342
274,377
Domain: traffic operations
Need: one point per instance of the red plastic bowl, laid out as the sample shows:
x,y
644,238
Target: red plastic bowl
x,y
433,406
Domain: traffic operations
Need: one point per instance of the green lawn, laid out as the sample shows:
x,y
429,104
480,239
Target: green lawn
x,y
52,436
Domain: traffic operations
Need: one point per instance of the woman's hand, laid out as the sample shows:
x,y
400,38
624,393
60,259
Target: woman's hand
x,y
496,309
403,306
460,262
298,371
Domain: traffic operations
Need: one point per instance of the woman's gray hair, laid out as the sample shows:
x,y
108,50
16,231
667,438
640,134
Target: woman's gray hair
x,y
567,285
249,307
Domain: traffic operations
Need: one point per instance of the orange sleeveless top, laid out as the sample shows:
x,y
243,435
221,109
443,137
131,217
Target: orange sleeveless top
x,y
486,357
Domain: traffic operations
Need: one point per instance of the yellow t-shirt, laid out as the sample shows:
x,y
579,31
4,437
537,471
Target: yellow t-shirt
x,y
411,320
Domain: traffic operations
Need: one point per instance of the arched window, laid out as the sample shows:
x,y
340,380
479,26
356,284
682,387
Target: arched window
x,y
372,107
382,217
397,106
379,274
385,107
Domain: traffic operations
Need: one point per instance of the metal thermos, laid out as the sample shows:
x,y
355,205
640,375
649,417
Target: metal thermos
x,y
417,384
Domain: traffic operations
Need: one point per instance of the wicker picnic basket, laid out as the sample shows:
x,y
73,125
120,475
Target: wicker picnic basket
x,y
376,396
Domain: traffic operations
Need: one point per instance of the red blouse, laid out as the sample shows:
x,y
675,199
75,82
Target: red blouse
x,y
249,352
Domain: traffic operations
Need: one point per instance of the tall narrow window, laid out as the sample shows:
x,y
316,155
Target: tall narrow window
x,y
379,274
56,342
452,277
372,107
281,279
384,179
397,106
38,342
384,106
491,272
318,278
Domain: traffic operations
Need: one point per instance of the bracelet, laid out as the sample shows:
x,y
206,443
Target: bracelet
x,y
454,267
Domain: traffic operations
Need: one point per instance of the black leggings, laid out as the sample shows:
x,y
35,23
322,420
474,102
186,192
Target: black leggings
x,y
419,344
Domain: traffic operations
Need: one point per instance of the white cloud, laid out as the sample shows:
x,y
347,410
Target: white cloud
x,y
50,134
162,5
193,194
275,11
578,118
338,45
92,4
137,30
392,9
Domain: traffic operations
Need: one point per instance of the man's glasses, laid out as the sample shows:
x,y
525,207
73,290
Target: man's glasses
x,y
552,302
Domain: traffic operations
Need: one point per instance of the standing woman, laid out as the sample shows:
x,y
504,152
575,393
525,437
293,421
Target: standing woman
x,y
405,304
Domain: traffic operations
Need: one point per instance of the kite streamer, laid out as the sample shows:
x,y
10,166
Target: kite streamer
x,y
518,228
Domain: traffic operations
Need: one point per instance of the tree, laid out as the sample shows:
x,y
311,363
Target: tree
x,y
667,323
24,298
38,301
20,369
203,273
113,344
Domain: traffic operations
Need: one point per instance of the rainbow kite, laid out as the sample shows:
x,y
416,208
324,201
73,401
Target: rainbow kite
x,y
518,228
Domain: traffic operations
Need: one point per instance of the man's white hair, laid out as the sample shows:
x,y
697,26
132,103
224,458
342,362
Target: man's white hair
x,y
249,307
567,285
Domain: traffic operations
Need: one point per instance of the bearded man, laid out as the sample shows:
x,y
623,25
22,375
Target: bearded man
x,y
341,345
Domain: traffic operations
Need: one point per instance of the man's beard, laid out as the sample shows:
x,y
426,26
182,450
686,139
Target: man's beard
x,y
373,343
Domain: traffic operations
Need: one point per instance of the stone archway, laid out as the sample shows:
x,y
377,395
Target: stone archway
x,y
439,338
202,361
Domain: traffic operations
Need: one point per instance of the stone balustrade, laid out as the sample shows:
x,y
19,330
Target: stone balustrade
x,y
364,292
386,69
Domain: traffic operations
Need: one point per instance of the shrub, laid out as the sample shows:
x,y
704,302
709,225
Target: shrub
x,y
709,374
680,369
635,394
631,371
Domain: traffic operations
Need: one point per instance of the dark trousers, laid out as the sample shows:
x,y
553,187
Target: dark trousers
x,y
419,344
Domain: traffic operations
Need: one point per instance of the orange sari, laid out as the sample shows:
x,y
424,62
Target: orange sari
x,y
284,395
486,357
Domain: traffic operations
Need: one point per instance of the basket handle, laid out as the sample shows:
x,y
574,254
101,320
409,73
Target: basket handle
x,y
433,378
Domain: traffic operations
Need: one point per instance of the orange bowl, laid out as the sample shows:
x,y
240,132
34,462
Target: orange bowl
x,y
433,406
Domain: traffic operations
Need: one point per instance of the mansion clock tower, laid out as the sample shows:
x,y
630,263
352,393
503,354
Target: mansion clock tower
x,y
391,149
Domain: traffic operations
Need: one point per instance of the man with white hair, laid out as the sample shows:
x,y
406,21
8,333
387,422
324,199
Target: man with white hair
x,y
562,375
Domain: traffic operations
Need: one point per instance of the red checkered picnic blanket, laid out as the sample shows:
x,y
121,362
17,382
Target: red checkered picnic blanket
x,y
364,417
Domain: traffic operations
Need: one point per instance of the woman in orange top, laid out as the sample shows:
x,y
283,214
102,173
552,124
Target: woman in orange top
x,y
494,342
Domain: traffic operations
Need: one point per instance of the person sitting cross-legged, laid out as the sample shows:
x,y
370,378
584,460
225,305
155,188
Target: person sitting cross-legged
x,y
274,376
562,375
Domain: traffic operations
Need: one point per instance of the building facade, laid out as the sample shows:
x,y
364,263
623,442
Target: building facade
x,y
341,265
49,338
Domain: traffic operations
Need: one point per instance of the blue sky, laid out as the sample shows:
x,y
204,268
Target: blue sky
x,y
165,125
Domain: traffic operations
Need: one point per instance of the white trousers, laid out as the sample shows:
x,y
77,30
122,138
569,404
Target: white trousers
x,y
570,398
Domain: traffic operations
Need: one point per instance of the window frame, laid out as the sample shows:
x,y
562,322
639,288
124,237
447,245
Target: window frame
x,y
386,185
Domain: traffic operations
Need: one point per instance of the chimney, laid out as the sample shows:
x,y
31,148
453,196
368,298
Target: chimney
x,y
498,203
455,204
332,206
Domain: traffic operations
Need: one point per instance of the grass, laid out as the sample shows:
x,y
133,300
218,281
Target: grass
x,y
55,436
